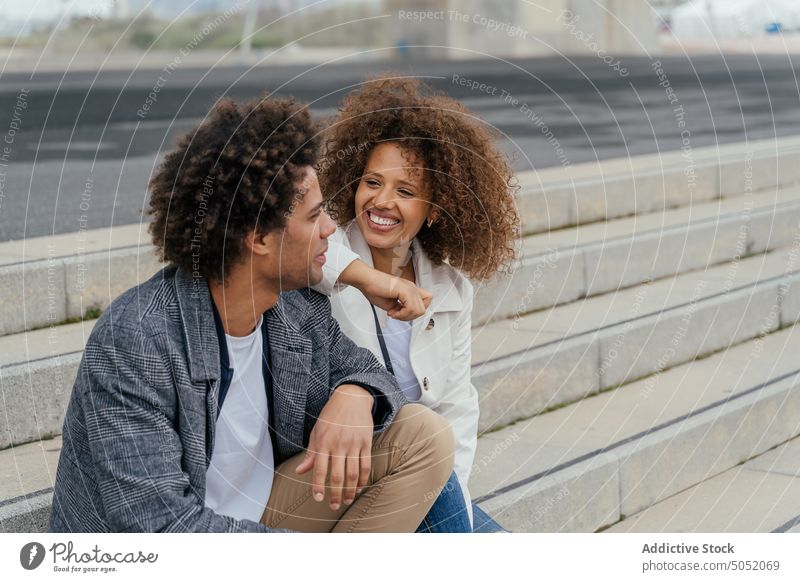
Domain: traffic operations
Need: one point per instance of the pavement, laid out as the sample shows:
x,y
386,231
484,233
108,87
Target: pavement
x,y
81,154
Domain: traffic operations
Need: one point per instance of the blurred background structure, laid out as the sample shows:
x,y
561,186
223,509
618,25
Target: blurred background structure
x,y
638,372
76,29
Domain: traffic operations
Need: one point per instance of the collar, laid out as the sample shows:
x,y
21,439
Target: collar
x,y
224,357
199,330
204,335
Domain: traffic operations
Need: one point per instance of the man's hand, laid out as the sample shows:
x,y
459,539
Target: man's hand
x,y
341,438
401,299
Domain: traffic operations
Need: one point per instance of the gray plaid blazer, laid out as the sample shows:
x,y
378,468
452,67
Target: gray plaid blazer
x,y
139,429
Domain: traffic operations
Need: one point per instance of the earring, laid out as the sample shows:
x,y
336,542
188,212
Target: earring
x,y
430,222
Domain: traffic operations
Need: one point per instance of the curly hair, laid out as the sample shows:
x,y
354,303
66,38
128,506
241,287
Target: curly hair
x,y
470,180
239,170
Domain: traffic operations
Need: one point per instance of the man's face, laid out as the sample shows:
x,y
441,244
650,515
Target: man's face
x,y
298,251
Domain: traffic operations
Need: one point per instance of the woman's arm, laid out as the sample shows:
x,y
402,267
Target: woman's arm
x,y
338,258
401,299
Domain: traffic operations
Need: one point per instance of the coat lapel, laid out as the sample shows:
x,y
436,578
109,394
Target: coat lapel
x,y
290,365
202,351
435,279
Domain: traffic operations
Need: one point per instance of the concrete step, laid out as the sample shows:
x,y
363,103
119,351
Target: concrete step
x,y
761,495
37,371
530,364
27,474
561,266
521,367
559,197
49,280
588,465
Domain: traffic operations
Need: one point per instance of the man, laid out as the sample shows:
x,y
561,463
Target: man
x,y
217,396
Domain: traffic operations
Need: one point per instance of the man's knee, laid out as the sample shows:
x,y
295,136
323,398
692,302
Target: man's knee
x,y
422,425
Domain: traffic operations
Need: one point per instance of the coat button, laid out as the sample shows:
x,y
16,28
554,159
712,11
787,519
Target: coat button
x,y
425,383
430,325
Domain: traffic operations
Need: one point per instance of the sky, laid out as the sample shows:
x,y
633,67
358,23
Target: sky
x,y
20,16
53,9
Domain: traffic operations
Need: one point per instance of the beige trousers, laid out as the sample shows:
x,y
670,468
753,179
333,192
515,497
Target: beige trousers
x,y
411,462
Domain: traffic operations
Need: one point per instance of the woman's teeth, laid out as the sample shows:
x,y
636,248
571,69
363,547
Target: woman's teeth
x,y
382,221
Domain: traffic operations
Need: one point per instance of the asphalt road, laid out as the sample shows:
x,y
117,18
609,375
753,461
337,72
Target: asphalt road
x,y
75,154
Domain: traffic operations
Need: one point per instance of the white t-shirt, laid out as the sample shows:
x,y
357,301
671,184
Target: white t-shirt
x,y
397,337
239,478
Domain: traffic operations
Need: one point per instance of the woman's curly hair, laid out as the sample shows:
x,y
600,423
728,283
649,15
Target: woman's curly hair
x,y
239,170
470,180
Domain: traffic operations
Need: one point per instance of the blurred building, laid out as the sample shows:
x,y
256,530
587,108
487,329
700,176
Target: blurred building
x,y
415,28
735,18
466,28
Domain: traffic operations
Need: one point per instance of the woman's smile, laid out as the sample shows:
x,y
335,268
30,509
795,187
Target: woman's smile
x,y
381,222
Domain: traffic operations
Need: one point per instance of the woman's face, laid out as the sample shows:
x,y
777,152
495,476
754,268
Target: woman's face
x,y
392,199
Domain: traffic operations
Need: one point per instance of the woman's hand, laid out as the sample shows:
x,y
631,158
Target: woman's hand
x,y
400,298
341,439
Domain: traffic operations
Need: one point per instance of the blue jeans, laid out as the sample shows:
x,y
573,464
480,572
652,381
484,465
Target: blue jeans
x,y
449,514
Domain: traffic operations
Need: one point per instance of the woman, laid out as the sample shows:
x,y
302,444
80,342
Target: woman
x,y
421,194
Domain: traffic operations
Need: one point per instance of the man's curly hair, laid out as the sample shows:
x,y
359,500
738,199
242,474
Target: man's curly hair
x,y
239,170
470,180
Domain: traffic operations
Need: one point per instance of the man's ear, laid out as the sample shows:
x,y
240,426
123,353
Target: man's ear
x,y
258,243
